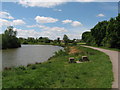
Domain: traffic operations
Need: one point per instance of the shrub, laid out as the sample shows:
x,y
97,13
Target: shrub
x,y
22,67
60,53
33,67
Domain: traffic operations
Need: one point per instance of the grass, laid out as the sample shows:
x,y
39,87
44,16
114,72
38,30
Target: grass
x,y
81,43
114,49
58,73
0,80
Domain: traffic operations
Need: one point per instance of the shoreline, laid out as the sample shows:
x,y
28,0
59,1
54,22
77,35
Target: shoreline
x,y
57,72
9,68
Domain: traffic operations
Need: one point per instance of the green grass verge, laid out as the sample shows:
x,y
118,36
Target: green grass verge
x,y
58,73
114,49
81,43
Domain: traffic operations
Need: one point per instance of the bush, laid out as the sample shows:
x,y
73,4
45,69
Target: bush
x,y
9,39
22,67
61,53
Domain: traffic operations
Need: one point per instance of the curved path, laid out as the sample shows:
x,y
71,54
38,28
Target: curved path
x,y
114,59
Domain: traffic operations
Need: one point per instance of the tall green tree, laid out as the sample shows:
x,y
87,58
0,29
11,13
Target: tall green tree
x,y
58,40
9,39
105,33
66,39
99,32
88,38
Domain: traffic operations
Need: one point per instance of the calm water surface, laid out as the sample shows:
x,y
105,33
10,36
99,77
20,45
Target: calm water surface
x,y
27,54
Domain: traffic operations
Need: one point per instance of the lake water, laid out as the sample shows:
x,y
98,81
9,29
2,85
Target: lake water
x,y
27,54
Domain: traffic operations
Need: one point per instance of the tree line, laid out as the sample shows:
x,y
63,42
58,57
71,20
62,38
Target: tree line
x,y
32,40
46,40
105,33
8,39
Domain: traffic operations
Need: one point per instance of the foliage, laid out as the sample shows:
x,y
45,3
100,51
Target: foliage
x,y
46,41
88,38
105,33
60,53
0,41
31,40
58,40
66,39
9,39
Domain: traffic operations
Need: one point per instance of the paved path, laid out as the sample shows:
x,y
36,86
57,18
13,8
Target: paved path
x,y
114,59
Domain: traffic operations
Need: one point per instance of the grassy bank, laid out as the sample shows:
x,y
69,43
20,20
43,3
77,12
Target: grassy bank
x,y
114,49
58,73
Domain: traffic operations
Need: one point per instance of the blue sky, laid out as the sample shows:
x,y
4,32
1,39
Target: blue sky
x,y
56,19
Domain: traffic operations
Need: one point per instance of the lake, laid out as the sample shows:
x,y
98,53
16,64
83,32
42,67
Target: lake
x,y
27,54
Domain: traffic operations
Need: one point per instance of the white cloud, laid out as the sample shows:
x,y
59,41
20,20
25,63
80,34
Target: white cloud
x,y
66,21
76,23
53,3
76,34
58,10
41,3
39,26
4,22
47,3
58,29
31,26
52,34
51,29
100,15
42,19
26,33
84,0
73,36
5,15
18,22
73,23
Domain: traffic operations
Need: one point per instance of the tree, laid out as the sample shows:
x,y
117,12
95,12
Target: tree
x,y
88,38
105,33
46,40
66,39
74,42
58,40
9,39
99,32
0,41
10,32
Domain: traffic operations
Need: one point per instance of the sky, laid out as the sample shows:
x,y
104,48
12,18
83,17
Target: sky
x,y
54,19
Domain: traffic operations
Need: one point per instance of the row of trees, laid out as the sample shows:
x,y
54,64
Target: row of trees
x,y
46,40
105,33
9,39
31,40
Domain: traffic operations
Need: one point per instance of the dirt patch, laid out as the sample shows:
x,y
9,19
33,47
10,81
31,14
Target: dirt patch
x,y
73,50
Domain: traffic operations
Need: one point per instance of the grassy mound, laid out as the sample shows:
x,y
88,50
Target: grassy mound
x,y
58,73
